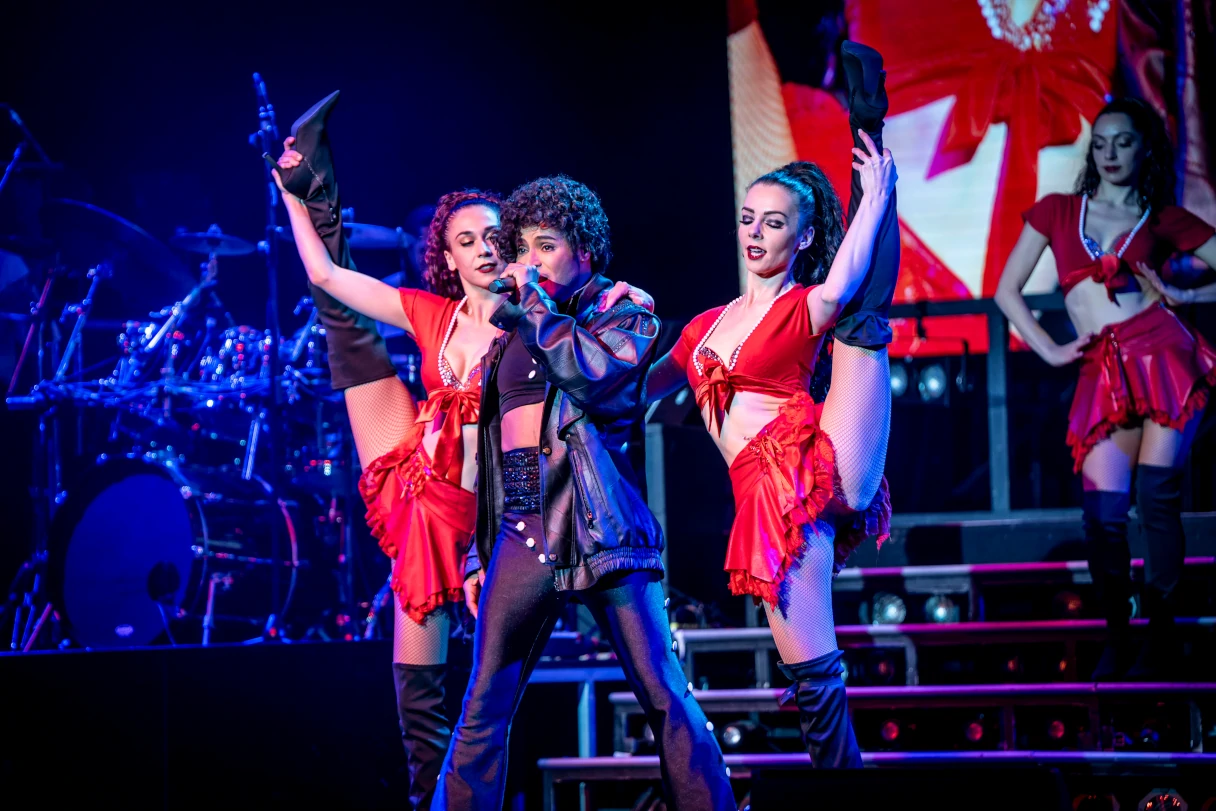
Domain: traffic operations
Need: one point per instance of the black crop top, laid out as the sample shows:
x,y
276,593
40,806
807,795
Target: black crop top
x,y
521,381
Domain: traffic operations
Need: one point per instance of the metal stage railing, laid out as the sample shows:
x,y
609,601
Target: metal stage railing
x,y
997,362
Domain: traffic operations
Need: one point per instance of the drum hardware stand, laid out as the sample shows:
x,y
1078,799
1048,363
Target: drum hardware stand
x,y
264,140
303,304
47,490
81,311
217,579
251,448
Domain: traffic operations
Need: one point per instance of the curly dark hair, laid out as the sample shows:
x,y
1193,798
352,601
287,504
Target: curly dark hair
x,y
1155,184
563,204
818,206
439,278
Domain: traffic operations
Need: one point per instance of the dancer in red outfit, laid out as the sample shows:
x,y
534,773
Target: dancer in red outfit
x,y
750,364
419,474
1145,374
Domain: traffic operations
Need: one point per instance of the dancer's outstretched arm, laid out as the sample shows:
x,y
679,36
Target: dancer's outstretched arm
x,y
381,411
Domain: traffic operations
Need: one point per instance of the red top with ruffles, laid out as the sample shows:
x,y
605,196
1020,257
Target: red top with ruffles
x,y
446,408
1167,232
776,359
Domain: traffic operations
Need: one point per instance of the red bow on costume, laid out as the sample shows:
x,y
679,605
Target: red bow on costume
x,y
1040,95
454,408
1107,269
715,389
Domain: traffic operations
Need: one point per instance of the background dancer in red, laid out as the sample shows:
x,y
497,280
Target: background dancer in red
x,y
1145,374
804,278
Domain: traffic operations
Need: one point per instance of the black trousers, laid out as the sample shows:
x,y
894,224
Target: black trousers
x,y
518,608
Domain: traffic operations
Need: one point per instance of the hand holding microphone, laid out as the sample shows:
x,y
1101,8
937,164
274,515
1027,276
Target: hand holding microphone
x,y
514,277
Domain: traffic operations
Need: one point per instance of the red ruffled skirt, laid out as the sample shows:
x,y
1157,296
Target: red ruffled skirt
x,y
783,481
423,522
1151,366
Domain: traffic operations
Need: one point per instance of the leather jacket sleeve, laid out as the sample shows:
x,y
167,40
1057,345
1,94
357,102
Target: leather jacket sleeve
x,y
603,372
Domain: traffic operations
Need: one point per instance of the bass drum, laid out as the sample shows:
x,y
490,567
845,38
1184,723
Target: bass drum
x,y
137,543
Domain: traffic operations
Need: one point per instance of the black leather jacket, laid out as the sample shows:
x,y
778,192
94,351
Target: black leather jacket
x,y
595,364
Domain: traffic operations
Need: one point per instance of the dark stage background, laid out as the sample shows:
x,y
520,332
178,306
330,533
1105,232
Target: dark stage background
x,y
149,106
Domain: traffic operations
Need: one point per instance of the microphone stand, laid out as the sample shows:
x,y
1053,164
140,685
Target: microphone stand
x,y
263,141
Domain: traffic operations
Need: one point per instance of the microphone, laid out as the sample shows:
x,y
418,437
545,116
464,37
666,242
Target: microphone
x,y
503,285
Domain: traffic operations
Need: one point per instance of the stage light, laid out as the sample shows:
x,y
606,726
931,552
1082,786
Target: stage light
x,y
1149,738
743,735
899,379
974,731
1162,799
1095,802
940,608
1013,665
890,731
1056,730
932,383
1068,605
889,609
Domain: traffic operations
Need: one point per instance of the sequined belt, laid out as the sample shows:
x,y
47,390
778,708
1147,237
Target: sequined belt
x,y
521,480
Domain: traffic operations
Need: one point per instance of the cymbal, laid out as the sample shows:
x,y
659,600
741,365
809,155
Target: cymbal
x,y
211,241
364,236
147,274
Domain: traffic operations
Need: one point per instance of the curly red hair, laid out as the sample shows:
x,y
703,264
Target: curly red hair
x,y
435,272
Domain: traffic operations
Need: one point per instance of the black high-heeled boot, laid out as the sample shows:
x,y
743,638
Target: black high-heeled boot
x,y
425,730
864,320
1159,504
827,731
1104,515
867,87
357,353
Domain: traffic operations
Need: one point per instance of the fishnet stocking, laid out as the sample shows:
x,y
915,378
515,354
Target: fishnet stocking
x,y
380,413
803,626
415,644
857,418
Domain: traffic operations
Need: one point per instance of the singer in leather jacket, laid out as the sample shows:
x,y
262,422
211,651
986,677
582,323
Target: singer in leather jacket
x,y
559,511
594,518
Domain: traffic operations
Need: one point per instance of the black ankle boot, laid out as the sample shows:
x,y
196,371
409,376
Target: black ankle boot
x,y
867,86
1104,516
425,730
827,731
357,353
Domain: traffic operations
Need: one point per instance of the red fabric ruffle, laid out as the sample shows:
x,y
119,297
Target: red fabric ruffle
x,y
421,520
1152,366
783,482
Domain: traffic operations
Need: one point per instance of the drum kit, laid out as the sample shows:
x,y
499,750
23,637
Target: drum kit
x,y
211,506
